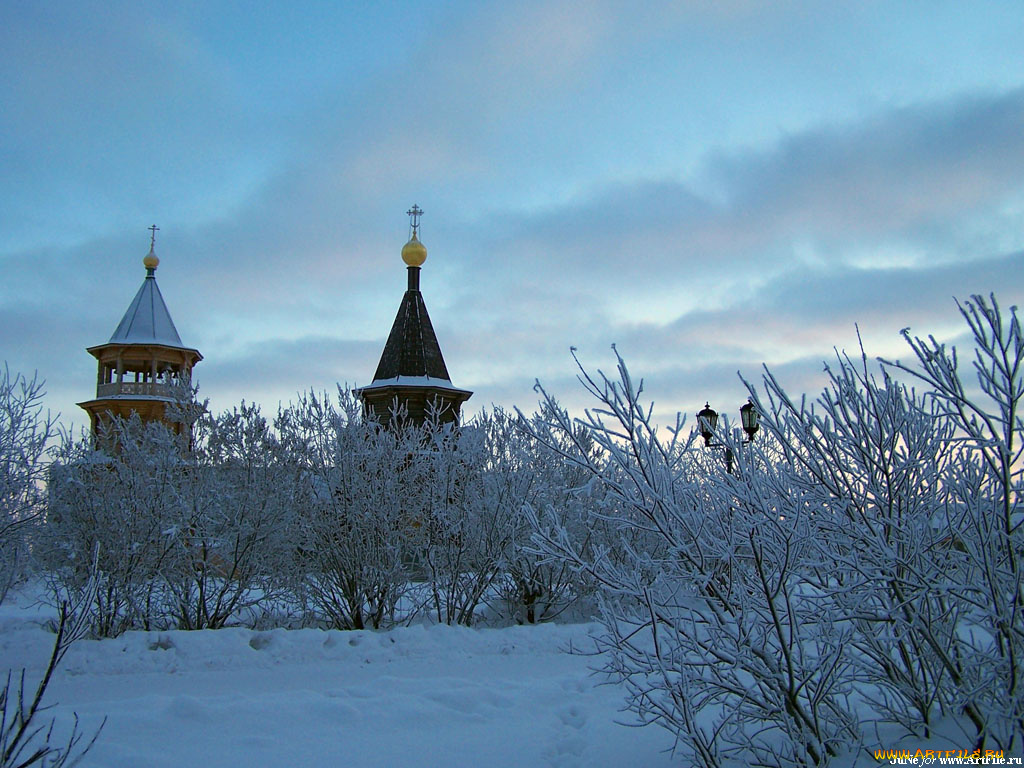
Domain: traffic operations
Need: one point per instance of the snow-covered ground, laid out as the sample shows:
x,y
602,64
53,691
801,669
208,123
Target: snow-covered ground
x,y
416,696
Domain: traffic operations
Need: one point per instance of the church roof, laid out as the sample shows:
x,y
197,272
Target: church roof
x,y
147,320
412,353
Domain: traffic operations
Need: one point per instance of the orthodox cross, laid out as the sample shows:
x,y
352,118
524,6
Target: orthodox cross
x,y
414,214
152,238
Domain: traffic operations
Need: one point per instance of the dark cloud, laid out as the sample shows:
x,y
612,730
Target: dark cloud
x,y
901,186
889,176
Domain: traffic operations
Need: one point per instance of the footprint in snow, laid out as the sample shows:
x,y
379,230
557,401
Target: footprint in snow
x,y
260,640
569,744
573,716
576,684
567,752
162,643
187,708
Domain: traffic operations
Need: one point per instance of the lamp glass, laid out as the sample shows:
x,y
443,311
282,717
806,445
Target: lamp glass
x,y
749,417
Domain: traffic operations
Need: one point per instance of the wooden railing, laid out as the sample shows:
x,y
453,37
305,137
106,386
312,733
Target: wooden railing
x,y
138,389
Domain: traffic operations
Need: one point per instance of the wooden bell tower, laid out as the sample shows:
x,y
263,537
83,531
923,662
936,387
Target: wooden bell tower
x,y
144,366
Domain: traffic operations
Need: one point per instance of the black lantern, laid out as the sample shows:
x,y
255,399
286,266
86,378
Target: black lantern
x,y
707,420
749,417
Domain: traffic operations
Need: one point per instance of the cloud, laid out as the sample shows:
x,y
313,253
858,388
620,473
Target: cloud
x,y
896,192
102,98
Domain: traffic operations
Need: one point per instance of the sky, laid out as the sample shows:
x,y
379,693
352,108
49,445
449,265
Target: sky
x,y
711,187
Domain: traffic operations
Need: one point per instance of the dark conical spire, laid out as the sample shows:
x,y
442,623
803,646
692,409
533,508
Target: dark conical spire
x,y
412,348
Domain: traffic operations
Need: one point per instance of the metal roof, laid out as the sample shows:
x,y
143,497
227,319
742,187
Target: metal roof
x,y
147,320
412,349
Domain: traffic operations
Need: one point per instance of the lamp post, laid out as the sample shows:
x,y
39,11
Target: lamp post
x,y
707,421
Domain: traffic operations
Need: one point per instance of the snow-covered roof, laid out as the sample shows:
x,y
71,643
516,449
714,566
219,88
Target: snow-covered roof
x,y
147,320
413,381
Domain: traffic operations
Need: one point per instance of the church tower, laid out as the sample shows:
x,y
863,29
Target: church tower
x,y
411,373
144,366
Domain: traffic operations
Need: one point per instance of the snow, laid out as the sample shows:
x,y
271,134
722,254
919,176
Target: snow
x,y
428,695
412,381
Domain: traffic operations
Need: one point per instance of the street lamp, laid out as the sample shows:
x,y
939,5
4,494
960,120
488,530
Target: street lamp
x,y
707,420
750,418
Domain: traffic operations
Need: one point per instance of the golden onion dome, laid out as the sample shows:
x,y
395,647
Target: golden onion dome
x,y
150,261
414,253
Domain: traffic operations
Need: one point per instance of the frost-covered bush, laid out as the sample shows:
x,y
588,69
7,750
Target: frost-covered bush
x,y
360,524
921,491
188,526
859,570
24,433
464,504
234,522
710,627
352,530
120,509
398,520
535,586
874,458
474,488
982,517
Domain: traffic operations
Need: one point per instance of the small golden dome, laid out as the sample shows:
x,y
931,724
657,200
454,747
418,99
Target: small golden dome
x,y
414,253
150,261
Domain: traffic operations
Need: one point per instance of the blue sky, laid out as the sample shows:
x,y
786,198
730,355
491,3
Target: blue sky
x,y
710,186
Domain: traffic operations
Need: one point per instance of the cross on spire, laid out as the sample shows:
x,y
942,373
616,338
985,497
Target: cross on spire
x,y
414,214
152,238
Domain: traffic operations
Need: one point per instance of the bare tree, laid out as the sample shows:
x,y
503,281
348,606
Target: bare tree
x,y
24,741
983,519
